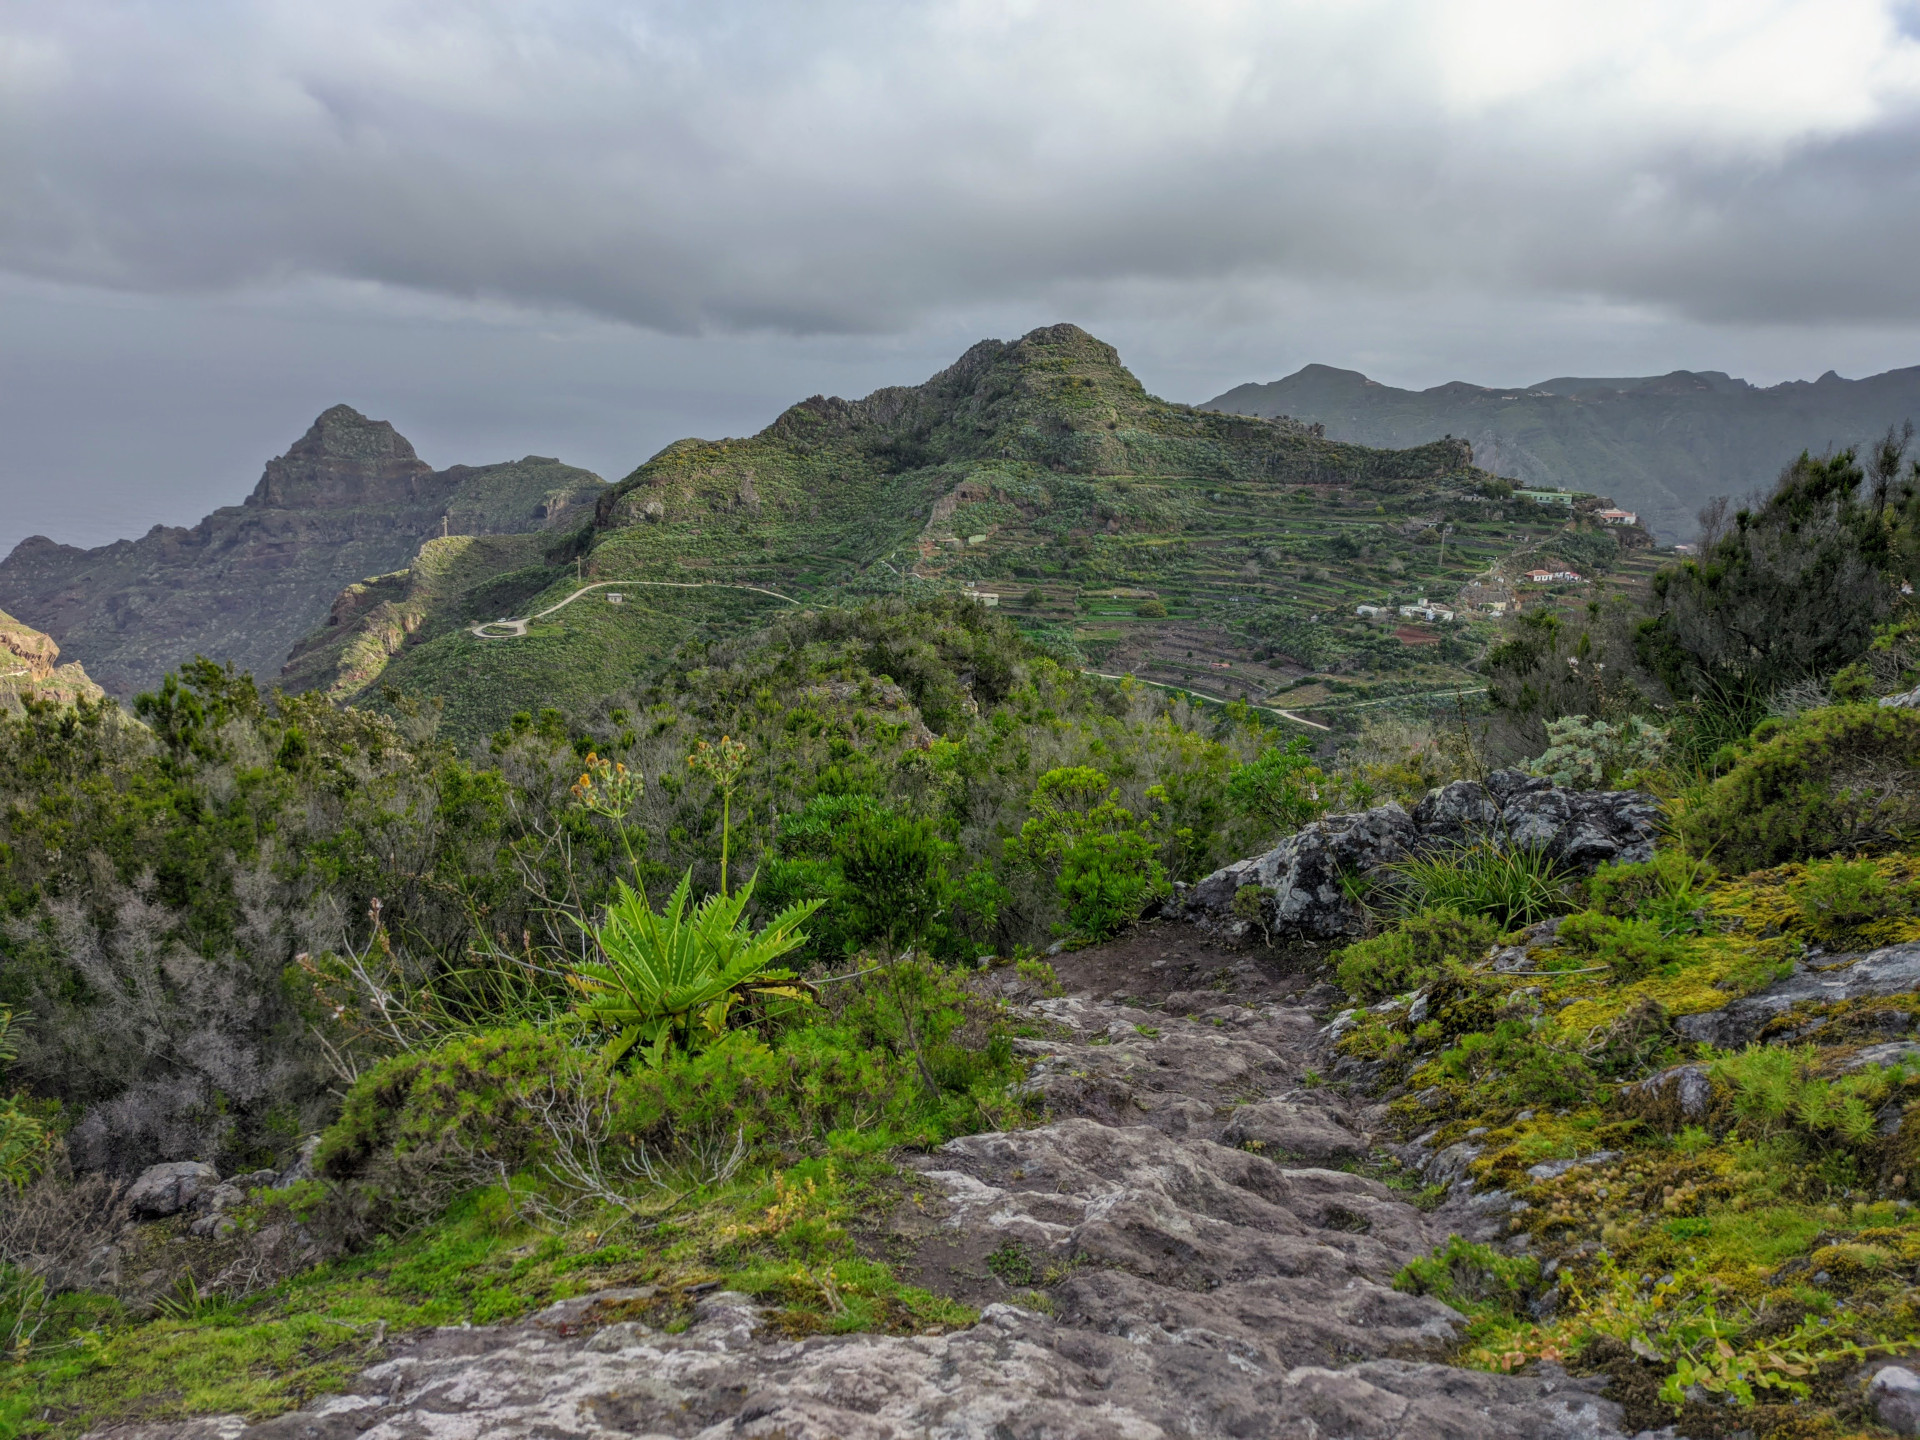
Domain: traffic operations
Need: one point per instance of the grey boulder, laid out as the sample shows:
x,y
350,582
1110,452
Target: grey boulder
x,y
1308,874
1676,1096
1281,1127
1578,828
170,1187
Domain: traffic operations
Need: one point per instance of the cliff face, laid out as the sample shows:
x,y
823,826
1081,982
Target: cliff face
x,y
28,662
349,499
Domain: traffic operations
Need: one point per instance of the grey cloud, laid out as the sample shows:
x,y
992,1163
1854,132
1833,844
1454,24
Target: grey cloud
x,y
857,167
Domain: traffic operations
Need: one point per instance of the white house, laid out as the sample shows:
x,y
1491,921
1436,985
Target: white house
x,y
1552,577
1617,517
1421,610
1370,612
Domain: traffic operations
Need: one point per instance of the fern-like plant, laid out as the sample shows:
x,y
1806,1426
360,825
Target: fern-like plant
x,y
679,971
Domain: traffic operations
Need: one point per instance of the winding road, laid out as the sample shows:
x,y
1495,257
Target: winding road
x,y
514,629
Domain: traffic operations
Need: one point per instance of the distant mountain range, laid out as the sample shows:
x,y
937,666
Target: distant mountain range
x,y
350,499
1661,445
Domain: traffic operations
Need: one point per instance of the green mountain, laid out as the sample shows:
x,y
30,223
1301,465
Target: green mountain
x,y
1662,444
349,499
1187,546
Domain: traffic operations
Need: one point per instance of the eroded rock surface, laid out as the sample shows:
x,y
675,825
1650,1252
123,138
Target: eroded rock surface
x,y
1894,970
1154,1277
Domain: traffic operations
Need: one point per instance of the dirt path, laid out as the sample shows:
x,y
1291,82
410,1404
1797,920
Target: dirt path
x,y
514,629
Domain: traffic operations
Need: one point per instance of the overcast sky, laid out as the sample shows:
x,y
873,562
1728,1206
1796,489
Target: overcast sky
x,y
585,228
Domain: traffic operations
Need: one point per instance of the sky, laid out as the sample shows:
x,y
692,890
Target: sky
x,y
586,229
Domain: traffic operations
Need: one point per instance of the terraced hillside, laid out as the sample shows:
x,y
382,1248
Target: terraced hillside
x,y
1218,552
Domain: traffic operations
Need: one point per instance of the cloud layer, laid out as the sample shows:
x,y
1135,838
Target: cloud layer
x,y
856,166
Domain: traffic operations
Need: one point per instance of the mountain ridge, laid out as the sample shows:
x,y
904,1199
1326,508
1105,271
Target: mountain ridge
x,y
1661,445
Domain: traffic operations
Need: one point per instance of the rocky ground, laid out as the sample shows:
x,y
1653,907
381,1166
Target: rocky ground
x,y
1174,1254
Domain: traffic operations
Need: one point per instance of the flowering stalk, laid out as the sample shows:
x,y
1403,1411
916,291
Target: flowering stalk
x,y
722,764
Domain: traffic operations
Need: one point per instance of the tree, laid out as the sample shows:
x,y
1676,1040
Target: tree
x,y
1282,787
897,871
1793,589
1103,860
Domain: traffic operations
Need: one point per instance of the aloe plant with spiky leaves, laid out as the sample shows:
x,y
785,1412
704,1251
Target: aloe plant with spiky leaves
x,y
680,971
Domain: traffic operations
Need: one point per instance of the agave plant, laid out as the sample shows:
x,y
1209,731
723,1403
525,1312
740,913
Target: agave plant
x,y
681,972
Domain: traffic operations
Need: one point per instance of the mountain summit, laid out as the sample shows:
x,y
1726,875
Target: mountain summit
x,y
350,498
345,460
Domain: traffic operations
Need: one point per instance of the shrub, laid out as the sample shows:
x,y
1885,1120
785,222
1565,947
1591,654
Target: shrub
x,y
1472,1278
1152,610
1105,864
1634,948
680,973
1510,885
1283,788
1666,889
1506,1065
1413,952
1840,900
1777,1089
1826,782
1589,754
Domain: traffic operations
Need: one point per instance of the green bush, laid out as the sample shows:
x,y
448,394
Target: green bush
x,y
1834,781
1104,862
1507,1066
1778,1090
1838,899
423,1126
1588,754
1412,953
1283,788
1666,889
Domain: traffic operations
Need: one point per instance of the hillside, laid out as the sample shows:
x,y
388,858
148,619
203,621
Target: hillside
x,y
1189,547
349,499
1661,445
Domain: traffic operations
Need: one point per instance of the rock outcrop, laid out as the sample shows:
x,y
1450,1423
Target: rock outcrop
x,y
348,500
1014,1376
1894,970
1310,876
29,665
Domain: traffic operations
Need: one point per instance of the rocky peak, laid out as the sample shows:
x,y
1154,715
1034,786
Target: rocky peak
x,y
345,460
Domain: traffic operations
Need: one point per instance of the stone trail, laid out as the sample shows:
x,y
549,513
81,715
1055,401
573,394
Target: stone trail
x,y
1188,1267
